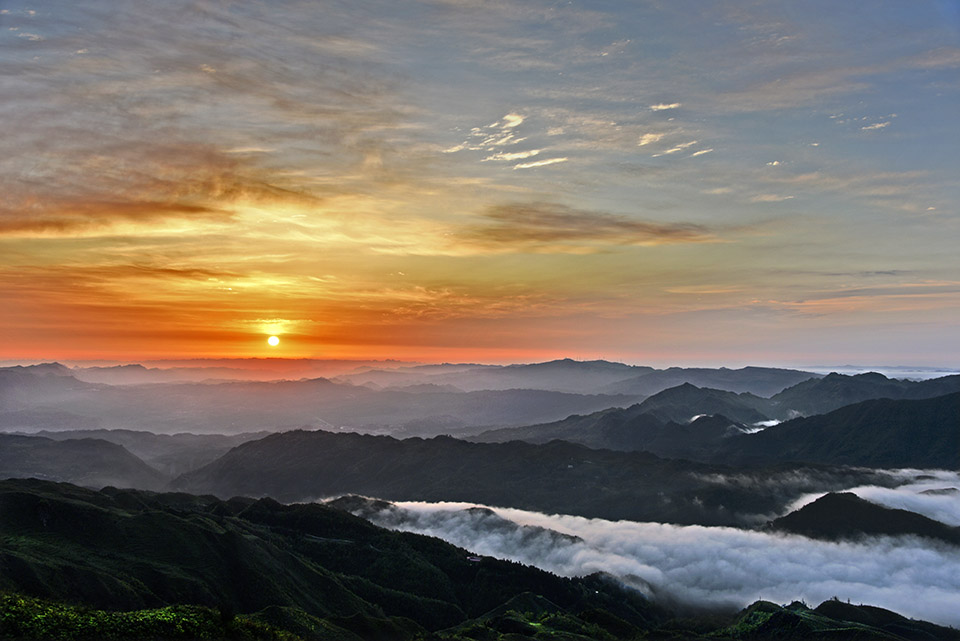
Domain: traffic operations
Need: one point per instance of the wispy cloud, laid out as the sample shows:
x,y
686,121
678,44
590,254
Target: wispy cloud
x,y
488,138
540,163
680,147
517,155
665,106
700,153
770,198
553,227
512,120
649,138
875,126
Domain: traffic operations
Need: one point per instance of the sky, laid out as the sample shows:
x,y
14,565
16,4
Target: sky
x,y
659,182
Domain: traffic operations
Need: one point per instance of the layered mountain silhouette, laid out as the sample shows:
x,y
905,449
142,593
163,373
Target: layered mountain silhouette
x,y
171,454
877,433
33,399
762,381
599,377
901,432
686,402
86,461
818,396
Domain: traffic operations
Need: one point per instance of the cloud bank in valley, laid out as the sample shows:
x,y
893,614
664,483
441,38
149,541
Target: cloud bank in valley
x,y
704,566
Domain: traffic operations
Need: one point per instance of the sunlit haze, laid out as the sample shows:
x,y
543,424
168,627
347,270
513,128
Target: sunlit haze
x,y
713,183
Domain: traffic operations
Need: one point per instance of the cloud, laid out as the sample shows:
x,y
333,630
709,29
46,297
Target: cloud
x,y
518,155
702,566
664,106
876,126
770,198
703,289
540,163
700,153
178,121
512,120
531,225
647,139
497,134
680,147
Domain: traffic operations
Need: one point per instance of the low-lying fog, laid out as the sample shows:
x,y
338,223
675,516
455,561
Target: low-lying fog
x,y
719,566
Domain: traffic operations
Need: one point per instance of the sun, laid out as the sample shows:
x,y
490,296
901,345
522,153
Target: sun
x,y
273,341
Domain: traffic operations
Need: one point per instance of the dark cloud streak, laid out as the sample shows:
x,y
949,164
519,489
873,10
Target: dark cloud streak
x,y
529,225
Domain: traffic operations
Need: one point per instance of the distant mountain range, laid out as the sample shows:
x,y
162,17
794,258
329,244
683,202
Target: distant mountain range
x,y
675,423
628,482
584,377
837,390
432,400
50,397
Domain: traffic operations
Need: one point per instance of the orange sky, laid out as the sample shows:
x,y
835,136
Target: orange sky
x,y
427,181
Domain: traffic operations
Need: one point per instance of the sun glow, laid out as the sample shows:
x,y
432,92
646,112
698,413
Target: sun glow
x,y
273,341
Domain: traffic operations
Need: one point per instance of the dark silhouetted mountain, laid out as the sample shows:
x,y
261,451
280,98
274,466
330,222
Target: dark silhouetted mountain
x,y
831,620
614,429
685,402
172,454
88,462
877,433
696,440
883,620
660,424
834,391
762,381
555,477
846,516
627,431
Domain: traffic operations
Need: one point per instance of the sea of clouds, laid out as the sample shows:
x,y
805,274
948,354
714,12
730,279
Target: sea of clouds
x,y
720,566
